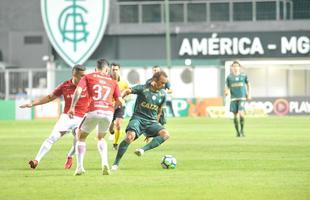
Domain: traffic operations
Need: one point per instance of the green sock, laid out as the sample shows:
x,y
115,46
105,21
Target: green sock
x,y
120,152
236,125
242,124
154,143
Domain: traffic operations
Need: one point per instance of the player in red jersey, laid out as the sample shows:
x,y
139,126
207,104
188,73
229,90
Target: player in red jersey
x,y
102,89
64,123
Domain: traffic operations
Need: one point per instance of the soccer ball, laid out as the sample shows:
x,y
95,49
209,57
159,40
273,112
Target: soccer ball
x,y
168,162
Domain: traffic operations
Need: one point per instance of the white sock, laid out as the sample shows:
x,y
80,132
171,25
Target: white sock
x,y
103,150
47,145
72,150
80,153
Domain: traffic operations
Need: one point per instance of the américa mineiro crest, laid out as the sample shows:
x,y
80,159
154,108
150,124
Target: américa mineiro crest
x,y
75,27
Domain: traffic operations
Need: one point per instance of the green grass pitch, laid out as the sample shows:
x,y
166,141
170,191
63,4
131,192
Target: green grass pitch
x,y
271,162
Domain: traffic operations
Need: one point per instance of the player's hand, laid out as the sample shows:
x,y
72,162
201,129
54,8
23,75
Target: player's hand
x,y
26,105
71,113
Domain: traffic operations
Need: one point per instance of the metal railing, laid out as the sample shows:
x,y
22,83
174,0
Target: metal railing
x,y
212,10
21,83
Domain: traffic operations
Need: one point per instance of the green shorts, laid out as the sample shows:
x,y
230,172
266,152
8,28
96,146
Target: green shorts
x,y
236,106
145,127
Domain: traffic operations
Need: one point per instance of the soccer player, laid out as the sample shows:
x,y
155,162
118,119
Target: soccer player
x,y
64,123
101,90
238,86
169,91
115,127
151,98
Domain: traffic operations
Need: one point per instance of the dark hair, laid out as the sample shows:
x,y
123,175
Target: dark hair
x,y
157,75
155,66
101,63
236,62
116,64
78,67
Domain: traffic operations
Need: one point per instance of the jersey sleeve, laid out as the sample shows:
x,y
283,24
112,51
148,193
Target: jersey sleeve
x,y
58,90
117,92
227,82
137,89
164,100
246,80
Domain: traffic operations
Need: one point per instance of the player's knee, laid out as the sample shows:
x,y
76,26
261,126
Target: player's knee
x,y
74,131
118,124
130,136
54,137
100,136
241,114
82,136
164,134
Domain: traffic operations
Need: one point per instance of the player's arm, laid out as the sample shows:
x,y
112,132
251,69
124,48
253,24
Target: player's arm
x,y
126,92
226,90
39,101
119,102
117,95
76,95
249,91
160,110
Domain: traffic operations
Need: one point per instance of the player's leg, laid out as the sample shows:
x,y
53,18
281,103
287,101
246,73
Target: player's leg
x,y
241,115
111,130
162,136
117,119
236,123
74,129
234,110
80,152
87,125
103,126
132,132
123,146
103,151
71,152
60,128
117,132
45,147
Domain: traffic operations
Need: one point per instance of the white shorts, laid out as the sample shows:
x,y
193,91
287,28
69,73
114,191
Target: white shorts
x,y
98,117
65,124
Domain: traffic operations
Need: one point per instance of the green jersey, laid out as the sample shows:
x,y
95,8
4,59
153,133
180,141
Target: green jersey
x,y
147,102
237,86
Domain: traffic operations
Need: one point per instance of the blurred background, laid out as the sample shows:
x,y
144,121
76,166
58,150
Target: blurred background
x,y
195,45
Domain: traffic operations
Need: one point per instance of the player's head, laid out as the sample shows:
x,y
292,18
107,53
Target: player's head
x,y
103,66
159,80
115,71
235,67
78,71
155,69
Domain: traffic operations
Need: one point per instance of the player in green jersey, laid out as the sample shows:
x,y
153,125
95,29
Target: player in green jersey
x,y
151,97
238,86
168,89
